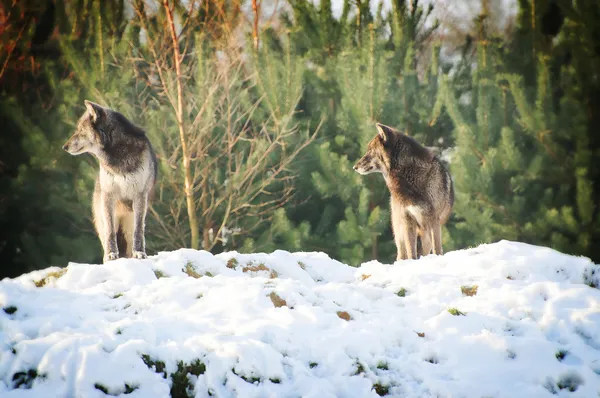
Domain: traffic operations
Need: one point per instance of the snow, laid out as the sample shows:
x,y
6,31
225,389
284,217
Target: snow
x,y
303,324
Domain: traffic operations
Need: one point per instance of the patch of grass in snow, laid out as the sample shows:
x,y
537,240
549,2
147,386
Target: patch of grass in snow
x,y
232,263
344,315
420,334
159,274
277,301
190,271
590,278
382,365
364,277
381,389
456,312
24,380
302,265
51,276
569,381
401,293
587,339
157,366
116,296
127,390
561,354
250,267
101,387
247,379
181,385
275,380
360,369
313,365
432,359
10,309
469,290
549,385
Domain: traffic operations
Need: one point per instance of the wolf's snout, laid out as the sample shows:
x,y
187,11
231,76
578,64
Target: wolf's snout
x,y
66,147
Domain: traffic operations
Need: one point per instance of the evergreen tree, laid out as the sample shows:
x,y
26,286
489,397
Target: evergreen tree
x,y
43,221
522,166
349,213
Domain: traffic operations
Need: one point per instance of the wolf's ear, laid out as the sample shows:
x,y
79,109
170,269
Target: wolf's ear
x,y
94,109
385,132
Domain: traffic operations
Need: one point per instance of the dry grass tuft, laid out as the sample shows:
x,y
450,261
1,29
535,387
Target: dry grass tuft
x,y
159,274
364,277
260,267
232,263
50,277
420,334
190,271
344,315
469,290
302,265
277,300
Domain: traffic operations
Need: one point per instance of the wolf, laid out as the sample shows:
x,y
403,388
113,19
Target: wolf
x,y
421,190
126,178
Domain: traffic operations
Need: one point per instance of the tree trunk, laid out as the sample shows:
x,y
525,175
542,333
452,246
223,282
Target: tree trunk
x,y
189,192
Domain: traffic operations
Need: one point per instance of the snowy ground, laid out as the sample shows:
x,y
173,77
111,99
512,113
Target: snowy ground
x,y
500,320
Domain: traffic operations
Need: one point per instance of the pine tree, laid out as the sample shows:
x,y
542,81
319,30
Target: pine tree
x,y
523,163
349,213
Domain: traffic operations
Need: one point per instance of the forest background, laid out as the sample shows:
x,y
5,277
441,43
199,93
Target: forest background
x,y
258,110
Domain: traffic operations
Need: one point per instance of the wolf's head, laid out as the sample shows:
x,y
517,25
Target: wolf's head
x,y
389,151
377,159
88,136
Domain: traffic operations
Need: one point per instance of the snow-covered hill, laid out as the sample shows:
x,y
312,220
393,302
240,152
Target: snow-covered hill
x,y
500,320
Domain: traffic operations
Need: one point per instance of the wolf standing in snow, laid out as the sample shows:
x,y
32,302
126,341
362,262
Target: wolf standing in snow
x,y
421,188
128,170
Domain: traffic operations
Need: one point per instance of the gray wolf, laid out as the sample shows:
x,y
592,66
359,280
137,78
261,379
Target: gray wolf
x,y
421,190
126,178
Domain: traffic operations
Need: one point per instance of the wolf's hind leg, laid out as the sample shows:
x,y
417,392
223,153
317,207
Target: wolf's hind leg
x,y
426,237
410,239
125,230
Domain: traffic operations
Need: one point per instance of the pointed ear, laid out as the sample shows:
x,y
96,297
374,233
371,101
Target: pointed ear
x,y
94,109
385,132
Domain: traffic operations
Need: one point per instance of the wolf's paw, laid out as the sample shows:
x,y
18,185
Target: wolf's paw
x,y
111,256
139,255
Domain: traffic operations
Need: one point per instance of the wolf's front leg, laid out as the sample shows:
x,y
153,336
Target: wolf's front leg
x,y
437,239
140,205
111,251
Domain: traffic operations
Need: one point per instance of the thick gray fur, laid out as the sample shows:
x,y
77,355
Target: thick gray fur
x,y
421,190
126,178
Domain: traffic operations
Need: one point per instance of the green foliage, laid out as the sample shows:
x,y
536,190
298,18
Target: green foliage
x,y
523,163
520,112
456,312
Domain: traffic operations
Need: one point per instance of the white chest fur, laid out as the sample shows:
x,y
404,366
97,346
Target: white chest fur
x,y
127,185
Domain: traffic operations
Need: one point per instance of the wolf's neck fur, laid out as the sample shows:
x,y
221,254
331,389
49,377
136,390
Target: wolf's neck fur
x,y
121,152
405,177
